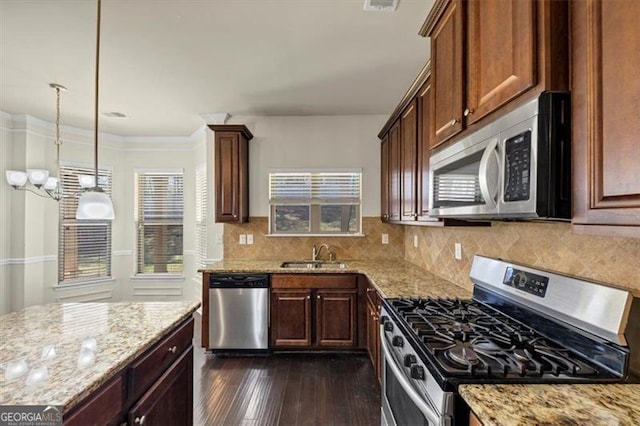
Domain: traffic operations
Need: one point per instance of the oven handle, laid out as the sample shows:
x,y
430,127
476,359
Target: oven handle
x,y
422,405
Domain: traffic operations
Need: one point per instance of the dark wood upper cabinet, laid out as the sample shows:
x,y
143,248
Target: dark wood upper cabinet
x,y
231,172
394,172
384,179
487,53
501,38
605,102
447,40
408,161
424,151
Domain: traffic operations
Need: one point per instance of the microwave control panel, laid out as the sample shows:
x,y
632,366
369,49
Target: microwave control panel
x,y
526,281
517,182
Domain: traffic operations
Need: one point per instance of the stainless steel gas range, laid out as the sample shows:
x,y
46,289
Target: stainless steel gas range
x,y
523,325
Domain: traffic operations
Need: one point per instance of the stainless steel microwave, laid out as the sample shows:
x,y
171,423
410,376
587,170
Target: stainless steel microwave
x,y
516,167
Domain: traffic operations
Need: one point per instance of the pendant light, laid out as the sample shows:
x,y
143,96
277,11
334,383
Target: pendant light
x,y
94,203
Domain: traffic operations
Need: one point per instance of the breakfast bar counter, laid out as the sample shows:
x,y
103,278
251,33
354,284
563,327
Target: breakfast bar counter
x,y
58,354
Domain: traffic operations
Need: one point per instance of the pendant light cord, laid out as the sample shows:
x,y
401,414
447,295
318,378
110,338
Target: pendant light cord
x,y
95,131
58,142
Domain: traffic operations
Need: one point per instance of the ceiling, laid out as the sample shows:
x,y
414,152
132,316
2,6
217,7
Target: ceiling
x,y
165,62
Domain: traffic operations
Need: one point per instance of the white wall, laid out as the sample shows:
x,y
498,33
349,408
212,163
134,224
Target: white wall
x,y
313,142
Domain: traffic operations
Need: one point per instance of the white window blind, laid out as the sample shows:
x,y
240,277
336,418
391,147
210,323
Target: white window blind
x,y
159,212
201,215
326,202
84,247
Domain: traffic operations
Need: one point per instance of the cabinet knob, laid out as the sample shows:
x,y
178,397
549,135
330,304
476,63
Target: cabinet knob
x,y
172,350
139,420
308,297
235,215
454,122
319,297
467,112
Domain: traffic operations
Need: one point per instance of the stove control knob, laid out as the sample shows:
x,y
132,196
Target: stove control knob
x,y
388,326
409,360
397,341
417,372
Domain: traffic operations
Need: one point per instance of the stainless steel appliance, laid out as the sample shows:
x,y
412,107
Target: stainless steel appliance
x,y
238,312
522,325
517,167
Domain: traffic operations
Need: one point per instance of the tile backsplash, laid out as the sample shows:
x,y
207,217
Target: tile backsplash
x,y
552,246
293,248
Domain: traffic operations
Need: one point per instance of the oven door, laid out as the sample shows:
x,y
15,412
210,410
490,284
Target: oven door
x,y
401,402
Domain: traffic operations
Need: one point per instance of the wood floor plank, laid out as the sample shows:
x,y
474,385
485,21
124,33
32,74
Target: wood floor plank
x,y
284,389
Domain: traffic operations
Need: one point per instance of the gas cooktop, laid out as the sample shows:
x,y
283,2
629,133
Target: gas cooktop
x,y
465,338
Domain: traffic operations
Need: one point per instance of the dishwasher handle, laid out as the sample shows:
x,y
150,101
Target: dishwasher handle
x,y
238,281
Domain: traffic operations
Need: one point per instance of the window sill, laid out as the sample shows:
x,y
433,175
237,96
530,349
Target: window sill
x,y
88,283
316,235
157,277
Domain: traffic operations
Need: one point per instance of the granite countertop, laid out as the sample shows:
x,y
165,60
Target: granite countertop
x,y
392,278
511,405
56,354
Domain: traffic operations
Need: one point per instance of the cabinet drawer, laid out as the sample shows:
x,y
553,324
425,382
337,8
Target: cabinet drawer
x,y
102,407
341,281
147,368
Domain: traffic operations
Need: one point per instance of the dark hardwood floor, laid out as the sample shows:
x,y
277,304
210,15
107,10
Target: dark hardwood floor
x,y
284,389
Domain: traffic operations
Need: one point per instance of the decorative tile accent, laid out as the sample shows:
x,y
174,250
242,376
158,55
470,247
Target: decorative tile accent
x,y
552,246
293,248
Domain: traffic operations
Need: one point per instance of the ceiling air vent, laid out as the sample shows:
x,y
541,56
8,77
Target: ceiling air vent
x,y
380,5
114,114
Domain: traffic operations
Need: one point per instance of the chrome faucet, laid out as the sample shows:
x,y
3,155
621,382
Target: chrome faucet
x,y
315,252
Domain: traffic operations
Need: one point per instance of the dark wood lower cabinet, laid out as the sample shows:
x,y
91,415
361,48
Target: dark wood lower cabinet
x,y
373,330
314,311
336,314
170,400
290,317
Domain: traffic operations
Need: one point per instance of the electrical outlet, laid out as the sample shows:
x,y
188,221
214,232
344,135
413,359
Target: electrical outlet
x,y
415,241
249,238
243,239
458,251
385,238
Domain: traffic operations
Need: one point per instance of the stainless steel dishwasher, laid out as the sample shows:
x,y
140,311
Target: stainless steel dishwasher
x,y
238,312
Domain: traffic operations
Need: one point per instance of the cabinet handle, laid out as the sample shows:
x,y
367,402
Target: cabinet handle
x,y
467,112
454,122
173,351
139,420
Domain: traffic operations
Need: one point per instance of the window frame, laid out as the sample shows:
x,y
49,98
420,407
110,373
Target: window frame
x,y
136,216
314,204
77,169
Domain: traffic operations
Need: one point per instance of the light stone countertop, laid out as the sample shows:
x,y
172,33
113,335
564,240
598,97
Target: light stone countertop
x,y
531,405
392,278
57,354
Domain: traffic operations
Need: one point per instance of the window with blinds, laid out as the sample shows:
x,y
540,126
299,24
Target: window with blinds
x,y
84,247
159,223
315,202
201,216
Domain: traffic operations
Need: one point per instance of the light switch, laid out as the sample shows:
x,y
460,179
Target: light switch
x,y
249,238
385,238
243,239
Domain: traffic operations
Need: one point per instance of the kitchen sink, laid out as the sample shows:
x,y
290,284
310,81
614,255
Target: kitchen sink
x,y
301,264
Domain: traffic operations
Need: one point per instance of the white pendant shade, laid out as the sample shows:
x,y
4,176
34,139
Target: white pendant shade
x,y
38,177
16,178
87,181
51,183
95,205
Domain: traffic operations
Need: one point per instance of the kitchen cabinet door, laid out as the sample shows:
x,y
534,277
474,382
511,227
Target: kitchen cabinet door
x,y
424,152
291,317
394,172
447,74
170,400
605,101
501,52
384,179
373,331
408,161
336,318
231,172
